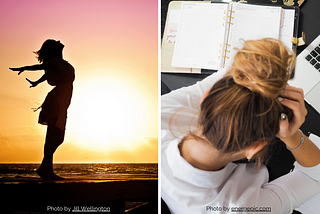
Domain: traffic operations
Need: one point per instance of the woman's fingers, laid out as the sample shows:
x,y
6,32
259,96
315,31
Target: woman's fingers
x,y
292,104
291,93
293,98
17,69
299,111
284,127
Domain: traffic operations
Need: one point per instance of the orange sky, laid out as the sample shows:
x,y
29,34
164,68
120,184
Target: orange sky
x,y
113,45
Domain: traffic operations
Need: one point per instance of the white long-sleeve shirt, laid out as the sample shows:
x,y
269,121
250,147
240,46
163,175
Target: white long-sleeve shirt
x,y
236,188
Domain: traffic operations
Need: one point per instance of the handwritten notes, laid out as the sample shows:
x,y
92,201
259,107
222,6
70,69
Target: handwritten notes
x,y
172,27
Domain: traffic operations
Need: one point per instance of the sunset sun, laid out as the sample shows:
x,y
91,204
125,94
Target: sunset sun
x,y
106,110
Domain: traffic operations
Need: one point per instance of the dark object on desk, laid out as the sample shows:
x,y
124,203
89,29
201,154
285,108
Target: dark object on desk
x,y
175,80
274,2
164,208
164,88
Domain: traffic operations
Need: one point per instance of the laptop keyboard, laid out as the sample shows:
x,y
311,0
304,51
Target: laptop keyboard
x,y
314,57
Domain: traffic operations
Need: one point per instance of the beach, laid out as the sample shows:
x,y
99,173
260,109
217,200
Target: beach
x,y
81,192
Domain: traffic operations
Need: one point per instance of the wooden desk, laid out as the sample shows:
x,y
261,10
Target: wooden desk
x,y
309,15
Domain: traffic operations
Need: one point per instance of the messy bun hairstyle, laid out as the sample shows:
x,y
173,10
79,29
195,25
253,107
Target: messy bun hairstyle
x,y
242,107
263,66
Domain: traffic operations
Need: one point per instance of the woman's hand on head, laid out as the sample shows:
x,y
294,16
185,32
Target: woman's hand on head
x,y
292,98
17,69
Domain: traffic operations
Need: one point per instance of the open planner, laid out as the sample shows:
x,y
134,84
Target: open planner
x,y
208,34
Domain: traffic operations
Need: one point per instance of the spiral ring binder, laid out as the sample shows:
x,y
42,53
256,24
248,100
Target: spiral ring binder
x,y
224,18
224,50
223,57
224,27
227,23
231,11
225,44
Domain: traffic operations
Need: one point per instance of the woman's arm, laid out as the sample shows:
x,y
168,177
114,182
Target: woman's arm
x,y
35,83
308,154
291,190
28,68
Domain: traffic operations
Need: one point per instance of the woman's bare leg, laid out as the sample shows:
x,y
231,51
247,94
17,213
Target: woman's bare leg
x,y
54,139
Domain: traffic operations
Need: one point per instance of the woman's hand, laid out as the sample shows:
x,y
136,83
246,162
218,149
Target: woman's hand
x,y
17,69
292,98
306,153
33,84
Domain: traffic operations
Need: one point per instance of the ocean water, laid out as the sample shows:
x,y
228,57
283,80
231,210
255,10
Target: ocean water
x,y
29,170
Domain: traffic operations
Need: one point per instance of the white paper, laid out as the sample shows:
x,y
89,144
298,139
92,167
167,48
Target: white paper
x,y
199,36
311,207
201,31
252,22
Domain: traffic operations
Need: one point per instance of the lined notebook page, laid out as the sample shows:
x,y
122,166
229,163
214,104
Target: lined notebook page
x,y
252,22
312,206
200,33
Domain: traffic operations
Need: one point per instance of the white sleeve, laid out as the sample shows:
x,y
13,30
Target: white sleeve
x,y
296,188
290,191
186,98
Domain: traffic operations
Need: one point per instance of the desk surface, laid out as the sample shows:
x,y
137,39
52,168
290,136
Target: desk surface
x,y
309,15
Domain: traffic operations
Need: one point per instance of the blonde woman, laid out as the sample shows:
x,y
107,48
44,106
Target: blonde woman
x,y
232,115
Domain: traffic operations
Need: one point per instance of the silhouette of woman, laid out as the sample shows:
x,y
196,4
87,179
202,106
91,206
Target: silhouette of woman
x,y
58,73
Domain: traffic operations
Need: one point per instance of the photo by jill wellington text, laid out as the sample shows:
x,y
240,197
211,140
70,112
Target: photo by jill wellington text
x,y
237,209
78,209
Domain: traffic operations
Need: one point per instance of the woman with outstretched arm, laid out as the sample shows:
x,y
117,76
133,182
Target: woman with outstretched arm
x,y
60,74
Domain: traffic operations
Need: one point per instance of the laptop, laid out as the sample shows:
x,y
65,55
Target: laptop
x,y
307,73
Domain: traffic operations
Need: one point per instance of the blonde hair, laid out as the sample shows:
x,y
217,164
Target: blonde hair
x,y
263,66
242,107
